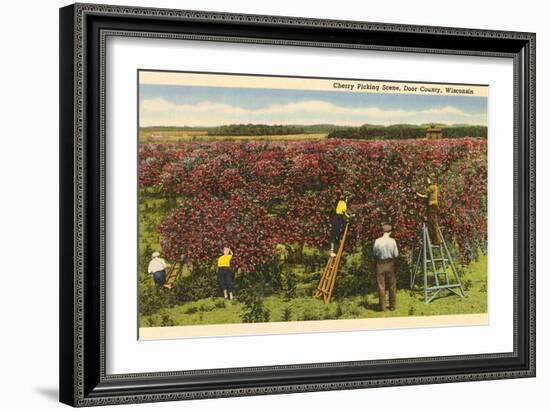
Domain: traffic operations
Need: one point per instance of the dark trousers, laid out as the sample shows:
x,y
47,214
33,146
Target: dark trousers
x,y
225,277
336,228
159,277
385,269
433,225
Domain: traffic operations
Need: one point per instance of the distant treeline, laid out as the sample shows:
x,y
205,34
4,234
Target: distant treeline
x,y
255,130
403,131
270,130
364,132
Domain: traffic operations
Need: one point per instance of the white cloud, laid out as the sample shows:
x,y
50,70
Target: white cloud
x,y
161,112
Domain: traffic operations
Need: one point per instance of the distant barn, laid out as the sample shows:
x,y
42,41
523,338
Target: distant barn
x,y
434,133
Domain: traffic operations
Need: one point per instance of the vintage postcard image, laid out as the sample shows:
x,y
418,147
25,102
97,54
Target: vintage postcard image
x,y
272,204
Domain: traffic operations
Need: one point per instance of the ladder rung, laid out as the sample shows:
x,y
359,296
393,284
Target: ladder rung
x,y
445,286
435,260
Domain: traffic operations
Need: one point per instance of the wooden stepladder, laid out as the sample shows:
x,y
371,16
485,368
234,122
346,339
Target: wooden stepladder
x,y
326,283
173,275
436,261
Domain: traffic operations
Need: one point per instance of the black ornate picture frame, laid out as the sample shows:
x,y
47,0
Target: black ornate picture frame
x,y
84,29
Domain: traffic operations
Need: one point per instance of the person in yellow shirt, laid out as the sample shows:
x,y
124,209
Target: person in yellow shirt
x,y
431,194
338,221
225,275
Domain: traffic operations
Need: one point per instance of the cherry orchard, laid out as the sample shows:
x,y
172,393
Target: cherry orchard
x,y
254,195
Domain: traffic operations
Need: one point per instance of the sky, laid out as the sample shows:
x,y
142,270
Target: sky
x,y
176,105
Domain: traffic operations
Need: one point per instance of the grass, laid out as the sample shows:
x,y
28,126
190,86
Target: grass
x,y
216,310
206,311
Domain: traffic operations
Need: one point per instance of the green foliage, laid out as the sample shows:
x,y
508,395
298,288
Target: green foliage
x,y
167,321
339,311
287,314
405,131
205,305
289,280
308,315
201,283
312,259
151,297
255,310
192,310
255,130
251,295
464,131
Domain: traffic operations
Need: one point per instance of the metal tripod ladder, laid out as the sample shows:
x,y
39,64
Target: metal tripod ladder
x,y
328,279
435,268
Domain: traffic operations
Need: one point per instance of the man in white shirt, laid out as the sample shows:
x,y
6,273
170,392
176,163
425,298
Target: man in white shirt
x,y
385,252
157,268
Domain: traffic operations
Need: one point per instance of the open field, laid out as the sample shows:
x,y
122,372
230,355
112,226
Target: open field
x,y
170,136
188,136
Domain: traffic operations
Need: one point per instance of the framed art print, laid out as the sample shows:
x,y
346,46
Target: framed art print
x,y
261,204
